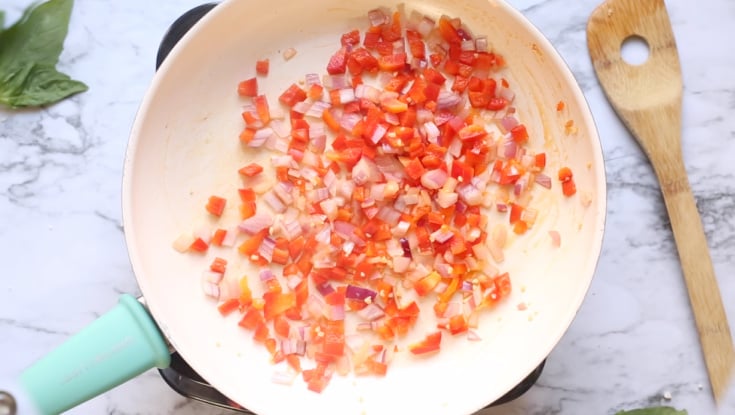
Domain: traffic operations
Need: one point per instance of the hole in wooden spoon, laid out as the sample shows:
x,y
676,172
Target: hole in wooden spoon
x,y
634,50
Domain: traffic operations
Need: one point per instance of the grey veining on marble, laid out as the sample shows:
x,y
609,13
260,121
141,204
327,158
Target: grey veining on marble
x,y
633,341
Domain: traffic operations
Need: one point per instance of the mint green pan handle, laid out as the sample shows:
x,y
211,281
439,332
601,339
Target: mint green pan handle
x,y
118,346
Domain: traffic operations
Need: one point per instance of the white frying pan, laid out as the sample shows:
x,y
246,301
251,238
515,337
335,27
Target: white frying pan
x,y
184,147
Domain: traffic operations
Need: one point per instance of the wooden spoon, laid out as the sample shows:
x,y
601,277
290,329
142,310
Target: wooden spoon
x,y
648,99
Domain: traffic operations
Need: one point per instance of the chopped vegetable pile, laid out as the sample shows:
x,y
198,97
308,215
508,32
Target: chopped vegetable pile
x,y
385,169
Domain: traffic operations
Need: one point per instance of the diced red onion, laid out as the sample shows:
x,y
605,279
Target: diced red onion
x,y
345,189
261,136
266,275
401,229
272,200
543,180
377,17
310,159
432,131
391,118
449,257
425,26
292,229
315,306
256,223
325,288
355,292
316,110
348,121
346,95
401,264
293,281
312,79
447,100
281,128
211,276
455,148
390,167
329,207
336,312
388,96
399,46
347,247
434,179
469,194
508,122
183,242
210,290
301,107
481,44
329,178
423,116
367,92
506,93
319,194
337,81
346,230
266,248
230,237
377,192
284,161
365,171
520,186
379,132
444,269
389,215
293,346
324,235
283,191
278,144
442,117
371,312
510,149
442,235
446,199
473,234
468,45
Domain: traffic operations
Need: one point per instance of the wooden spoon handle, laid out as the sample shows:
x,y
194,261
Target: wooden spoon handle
x,y
699,275
648,99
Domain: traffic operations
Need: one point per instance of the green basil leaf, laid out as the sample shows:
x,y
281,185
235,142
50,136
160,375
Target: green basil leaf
x,y
36,85
659,410
29,51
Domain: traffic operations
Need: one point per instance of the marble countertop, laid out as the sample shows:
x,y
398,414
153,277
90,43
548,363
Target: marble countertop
x,y
632,344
